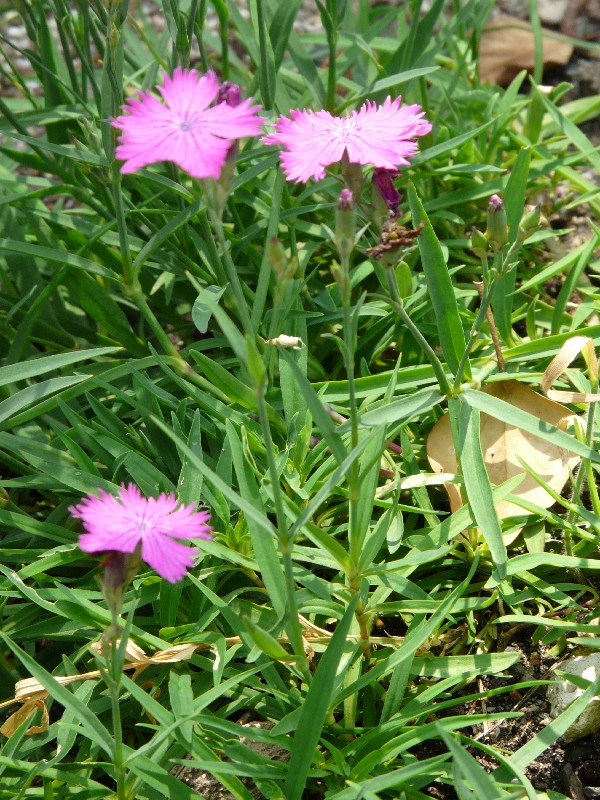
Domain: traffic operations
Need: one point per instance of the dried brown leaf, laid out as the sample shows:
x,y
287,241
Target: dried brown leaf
x,y
508,46
503,445
563,359
16,719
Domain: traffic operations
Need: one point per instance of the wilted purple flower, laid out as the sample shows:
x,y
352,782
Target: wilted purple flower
x,y
230,94
383,180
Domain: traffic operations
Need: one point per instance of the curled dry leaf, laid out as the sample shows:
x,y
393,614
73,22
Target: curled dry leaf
x,y
15,720
32,694
503,445
563,359
508,46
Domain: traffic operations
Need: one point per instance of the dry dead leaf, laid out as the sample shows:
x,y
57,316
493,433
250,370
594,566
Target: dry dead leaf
x,y
502,445
32,694
15,720
508,46
563,359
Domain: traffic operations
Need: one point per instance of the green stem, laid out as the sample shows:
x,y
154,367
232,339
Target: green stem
x,y
479,320
348,355
285,540
354,533
332,39
135,293
114,684
232,274
129,271
490,281
398,305
113,56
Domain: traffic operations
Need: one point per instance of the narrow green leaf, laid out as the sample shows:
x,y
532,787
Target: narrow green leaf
x,y
514,200
477,486
163,233
450,331
265,642
31,394
501,410
482,784
38,366
212,477
265,549
321,417
314,708
571,279
549,734
227,383
572,131
403,409
201,313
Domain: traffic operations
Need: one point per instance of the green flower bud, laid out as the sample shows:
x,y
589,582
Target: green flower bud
x,y
345,224
497,225
276,257
479,243
531,220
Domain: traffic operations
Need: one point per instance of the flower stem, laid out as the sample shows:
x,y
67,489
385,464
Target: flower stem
x,y
354,543
110,106
398,305
112,642
332,40
490,281
135,293
486,299
232,274
285,540
354,533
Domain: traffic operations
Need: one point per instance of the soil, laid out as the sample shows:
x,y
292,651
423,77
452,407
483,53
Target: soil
x,y
570,768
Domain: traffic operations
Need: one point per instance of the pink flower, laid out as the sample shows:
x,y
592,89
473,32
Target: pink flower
x,y
378,135
123,523
185,128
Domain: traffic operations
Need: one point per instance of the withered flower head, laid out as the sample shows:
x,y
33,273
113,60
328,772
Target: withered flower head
x,y
393,237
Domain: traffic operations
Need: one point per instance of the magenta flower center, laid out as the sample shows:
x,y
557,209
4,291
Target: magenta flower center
x,y
187,123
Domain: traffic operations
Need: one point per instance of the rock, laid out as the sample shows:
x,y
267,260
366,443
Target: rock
x,y
552,11
562,693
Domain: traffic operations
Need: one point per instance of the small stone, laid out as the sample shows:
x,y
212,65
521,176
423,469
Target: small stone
x,y
552,11
562,693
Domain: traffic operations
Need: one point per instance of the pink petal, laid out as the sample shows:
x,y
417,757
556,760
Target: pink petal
x,y
379,135
233,122
168,558
199,153
121,523
188,92
183,128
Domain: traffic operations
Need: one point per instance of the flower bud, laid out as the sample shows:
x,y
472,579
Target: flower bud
x,y
479,243
255,365
497,225
531,220
230,94
345,224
